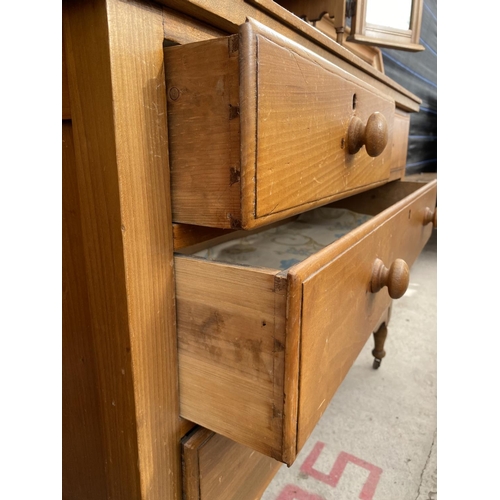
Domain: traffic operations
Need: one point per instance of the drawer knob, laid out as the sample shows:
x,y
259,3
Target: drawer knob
x,y
430,216
373,136
396,278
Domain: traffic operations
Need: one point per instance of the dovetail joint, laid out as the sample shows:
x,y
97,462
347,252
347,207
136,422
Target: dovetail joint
x,y
234,44
234,176
234,112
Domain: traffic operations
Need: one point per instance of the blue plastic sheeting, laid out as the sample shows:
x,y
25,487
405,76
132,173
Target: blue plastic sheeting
x,y
417,71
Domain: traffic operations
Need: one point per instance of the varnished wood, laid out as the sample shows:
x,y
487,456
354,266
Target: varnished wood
x,y
228,16
247,159
331,340
216,468
396,278
66,105
117,90
261,352
191,239
121,417
187,235
191,462
399,144
203,87
231,328
312,11
378,351
376,200
374,135
289,19
430,216
421,177
83,449
299,171
180,28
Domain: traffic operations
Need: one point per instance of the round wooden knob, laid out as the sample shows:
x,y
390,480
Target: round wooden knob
x,y
374,136
396,278
430,216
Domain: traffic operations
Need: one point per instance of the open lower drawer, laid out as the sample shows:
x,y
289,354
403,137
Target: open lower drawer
x,y
262,350
216,468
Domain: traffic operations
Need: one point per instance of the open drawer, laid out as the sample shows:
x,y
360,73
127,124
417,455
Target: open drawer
x,y
262,350
261,128
217,468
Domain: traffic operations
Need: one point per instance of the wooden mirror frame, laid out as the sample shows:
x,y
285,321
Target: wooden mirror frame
x,y
385,36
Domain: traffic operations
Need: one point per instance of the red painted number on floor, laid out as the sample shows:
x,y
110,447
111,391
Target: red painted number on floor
x,y
338,468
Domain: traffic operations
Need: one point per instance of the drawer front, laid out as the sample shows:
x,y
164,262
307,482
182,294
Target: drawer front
x,y
339,311
400,144
216,468
302,110
259,129
262,351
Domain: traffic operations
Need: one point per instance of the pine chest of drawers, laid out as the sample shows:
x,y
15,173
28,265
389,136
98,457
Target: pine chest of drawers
x,y
182,121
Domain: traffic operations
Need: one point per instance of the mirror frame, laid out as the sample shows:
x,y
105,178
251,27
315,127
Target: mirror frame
x,y
384,36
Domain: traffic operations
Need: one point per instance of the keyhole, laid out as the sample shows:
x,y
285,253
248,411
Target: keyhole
x,y
354,101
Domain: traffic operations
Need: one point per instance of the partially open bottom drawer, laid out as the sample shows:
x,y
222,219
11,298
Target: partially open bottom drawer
x,y
217,468
262,351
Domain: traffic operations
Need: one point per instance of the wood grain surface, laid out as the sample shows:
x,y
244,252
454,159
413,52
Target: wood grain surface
x,y
216,468
114,54
83,452
258,130
336,282
399,144
303,113
231,331
229,16
262,352
66,105
203,87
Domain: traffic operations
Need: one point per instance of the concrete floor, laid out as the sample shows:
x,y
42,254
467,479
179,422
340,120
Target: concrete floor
x,y
377,439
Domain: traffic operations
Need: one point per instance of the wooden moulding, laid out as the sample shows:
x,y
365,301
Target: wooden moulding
x,y
258,129
262,351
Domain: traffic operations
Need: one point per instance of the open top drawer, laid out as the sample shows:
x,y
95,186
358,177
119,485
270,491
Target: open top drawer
x,y
261,128
263,350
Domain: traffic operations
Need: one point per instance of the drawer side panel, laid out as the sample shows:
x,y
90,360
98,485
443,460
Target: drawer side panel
x,y
204,132
231,336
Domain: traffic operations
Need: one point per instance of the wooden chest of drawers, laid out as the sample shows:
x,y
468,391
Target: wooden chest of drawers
x,y
226,115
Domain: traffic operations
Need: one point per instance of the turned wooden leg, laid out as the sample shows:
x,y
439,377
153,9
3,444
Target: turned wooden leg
x,y
378,352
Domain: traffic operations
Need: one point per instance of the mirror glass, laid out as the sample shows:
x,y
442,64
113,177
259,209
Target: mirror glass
x,y
391,13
